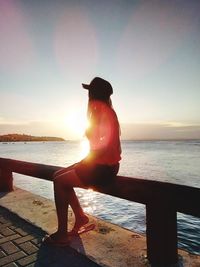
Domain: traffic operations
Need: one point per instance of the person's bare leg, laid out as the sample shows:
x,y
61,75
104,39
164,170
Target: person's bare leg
x,y
80,217
61,202
64,195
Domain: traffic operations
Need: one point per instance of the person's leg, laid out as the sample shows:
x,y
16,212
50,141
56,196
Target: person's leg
x,y
80,217
64,195
63,170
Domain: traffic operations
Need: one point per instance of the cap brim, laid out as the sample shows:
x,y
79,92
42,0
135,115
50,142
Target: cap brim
x,y
86,86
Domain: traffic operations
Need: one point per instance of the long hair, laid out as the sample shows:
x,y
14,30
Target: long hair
x,y
101,97
108,103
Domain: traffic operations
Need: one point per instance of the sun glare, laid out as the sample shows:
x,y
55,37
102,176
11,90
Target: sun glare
x,y
76,124
84,148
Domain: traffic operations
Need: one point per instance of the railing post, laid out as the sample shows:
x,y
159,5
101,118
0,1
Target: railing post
x,y
161,233
6,180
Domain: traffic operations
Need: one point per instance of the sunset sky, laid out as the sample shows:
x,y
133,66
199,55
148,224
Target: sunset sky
x,y
148,50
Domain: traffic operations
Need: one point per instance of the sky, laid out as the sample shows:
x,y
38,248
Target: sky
x,y
148,50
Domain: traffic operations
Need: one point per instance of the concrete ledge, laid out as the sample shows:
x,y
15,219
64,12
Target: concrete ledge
x,y
108,245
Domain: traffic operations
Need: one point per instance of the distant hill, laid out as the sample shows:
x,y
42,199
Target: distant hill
x,y
27,138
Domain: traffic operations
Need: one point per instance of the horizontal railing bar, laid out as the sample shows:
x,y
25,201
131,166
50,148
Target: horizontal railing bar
x,y
37,170
182,198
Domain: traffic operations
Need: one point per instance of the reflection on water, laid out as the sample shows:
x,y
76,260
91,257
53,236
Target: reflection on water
x,y
88,200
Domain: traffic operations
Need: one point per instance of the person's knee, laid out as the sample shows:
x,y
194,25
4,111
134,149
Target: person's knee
x,y
60,182
57,181
55,175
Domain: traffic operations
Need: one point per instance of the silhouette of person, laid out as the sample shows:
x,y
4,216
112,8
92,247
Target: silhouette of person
x,y
98,168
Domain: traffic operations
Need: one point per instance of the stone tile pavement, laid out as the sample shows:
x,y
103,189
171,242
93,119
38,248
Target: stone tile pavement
x,y
20,245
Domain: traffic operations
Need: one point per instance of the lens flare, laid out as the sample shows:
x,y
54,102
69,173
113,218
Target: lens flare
x,y
84,148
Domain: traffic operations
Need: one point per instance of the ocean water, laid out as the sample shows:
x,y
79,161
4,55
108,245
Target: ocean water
x,y
172,161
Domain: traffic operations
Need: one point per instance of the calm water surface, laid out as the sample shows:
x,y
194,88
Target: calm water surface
x,y
172,161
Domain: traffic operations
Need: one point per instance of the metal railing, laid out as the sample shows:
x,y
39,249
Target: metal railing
x,y
163,201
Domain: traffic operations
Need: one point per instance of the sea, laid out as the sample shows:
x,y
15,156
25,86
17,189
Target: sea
x,y
169,161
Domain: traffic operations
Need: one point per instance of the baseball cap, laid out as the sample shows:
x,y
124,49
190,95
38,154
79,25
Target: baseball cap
x,y
99,86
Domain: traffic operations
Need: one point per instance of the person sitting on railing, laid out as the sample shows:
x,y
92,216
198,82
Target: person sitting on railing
x,y
99,167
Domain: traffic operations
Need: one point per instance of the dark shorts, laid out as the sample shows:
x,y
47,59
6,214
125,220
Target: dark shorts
x,y
95,174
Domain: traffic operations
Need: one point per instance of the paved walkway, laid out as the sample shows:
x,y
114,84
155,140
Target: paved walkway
x,y
20,246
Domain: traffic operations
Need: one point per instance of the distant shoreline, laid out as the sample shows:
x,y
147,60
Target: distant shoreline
x,y
31,138
27,138
4,139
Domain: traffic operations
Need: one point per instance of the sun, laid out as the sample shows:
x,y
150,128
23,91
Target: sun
x,y
76,124
84,150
